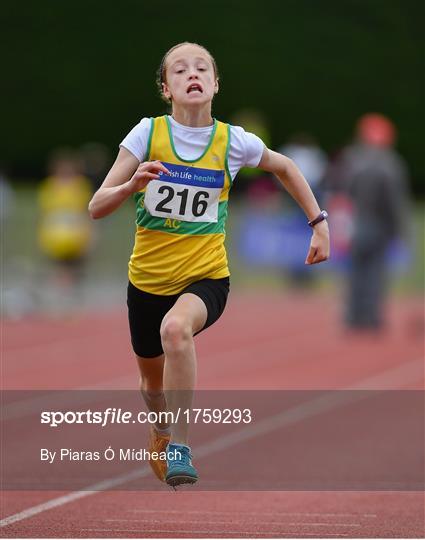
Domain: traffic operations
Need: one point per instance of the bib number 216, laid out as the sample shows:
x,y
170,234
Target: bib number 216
x,y
197,205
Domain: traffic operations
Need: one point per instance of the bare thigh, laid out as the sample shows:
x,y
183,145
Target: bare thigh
x,y
189,311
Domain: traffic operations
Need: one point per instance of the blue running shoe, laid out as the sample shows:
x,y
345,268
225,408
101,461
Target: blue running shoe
x,y
179,465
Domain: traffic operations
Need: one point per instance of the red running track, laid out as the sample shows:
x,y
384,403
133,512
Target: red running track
x,y
262,342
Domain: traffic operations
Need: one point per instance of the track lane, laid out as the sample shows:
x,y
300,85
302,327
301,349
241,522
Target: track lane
x,y
285,361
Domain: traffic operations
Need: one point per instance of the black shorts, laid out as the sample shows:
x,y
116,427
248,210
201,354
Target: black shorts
x,y
146,311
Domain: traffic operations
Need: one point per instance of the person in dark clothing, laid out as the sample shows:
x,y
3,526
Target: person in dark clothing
x,y
375,178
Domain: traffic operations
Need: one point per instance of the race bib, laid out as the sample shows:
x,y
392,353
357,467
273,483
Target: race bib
x,y
187,194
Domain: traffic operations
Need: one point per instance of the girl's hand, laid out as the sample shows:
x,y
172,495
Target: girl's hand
x,y
319,246
145,172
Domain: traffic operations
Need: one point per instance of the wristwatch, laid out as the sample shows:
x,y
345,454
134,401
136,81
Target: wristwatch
x,y
323,215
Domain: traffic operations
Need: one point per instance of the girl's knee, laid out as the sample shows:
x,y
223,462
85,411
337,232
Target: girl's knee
x,y
175,333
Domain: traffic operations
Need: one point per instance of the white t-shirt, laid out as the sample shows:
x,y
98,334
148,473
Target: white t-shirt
x,y
245,149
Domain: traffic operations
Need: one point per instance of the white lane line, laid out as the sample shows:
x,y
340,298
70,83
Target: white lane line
x,y
232,512
308,409
227,522
300,412
214,534
75,495
394,379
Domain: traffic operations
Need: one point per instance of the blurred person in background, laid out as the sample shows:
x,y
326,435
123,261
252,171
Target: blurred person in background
x,y
312,161
374,178
95,160
65,230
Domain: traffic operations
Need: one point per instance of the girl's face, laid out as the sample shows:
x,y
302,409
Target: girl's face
x,y
190,77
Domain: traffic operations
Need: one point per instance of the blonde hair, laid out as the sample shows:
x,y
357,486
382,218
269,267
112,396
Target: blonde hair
x,y
161,73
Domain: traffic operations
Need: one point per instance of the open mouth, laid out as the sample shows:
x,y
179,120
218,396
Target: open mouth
x,y
194,88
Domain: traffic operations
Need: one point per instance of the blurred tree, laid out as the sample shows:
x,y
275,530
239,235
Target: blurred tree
x,y
84,71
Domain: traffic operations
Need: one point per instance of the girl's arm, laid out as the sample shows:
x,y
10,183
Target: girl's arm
x,y
127,176
296,185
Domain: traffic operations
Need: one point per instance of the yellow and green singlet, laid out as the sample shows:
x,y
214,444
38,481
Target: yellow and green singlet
x,y
180,239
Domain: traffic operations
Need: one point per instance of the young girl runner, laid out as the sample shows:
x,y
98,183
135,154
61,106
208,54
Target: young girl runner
x,y
180,169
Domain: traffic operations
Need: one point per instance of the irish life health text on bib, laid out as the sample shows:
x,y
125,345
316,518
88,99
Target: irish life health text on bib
x,y
187,194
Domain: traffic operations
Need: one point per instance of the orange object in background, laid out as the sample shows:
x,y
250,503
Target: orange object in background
x,y
376,129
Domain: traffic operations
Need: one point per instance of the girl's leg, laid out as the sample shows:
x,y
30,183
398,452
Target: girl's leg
x,y
185,318
151,385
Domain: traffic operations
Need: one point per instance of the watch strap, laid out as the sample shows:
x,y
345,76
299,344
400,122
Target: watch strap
x,y
321,217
